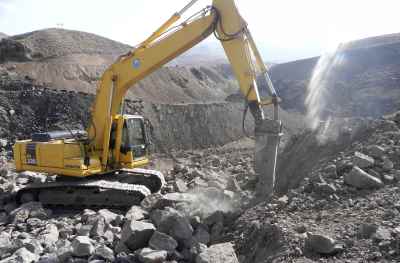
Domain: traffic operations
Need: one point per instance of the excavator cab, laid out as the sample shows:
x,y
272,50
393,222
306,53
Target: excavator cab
x,y
129,141
134,137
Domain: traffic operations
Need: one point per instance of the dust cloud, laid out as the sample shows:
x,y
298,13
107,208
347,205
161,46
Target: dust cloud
x,y
319,117
203,202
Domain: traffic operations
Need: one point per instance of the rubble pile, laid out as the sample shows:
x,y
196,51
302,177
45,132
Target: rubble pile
x,y
184,223
345,210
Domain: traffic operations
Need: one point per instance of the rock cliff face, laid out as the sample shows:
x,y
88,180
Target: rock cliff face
x,y
28,107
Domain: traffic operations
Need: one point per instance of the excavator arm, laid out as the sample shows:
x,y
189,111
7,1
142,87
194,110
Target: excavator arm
x,y
165,44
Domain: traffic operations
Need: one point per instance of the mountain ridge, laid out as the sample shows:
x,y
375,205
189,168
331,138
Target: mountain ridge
x,y
74,60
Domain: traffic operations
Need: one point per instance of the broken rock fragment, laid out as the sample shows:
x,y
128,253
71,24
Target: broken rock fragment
x,y
135,213
64,250
322,244
381,234
361,179
23,255
136,234
5,243
99,227
367,230
362,160
387,164
220,253
49,235
177,226
180,186
29,210
325,188
151,202
201,235
105,253
108,216
82,246
161,241
148,255
377,151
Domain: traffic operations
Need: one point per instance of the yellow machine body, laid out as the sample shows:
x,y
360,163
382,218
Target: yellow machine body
x,y
69,157
57,157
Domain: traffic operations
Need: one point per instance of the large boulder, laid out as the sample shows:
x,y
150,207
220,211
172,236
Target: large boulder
x,y
29,210
105,253
361,179
82,246
136,234
161,241
176,225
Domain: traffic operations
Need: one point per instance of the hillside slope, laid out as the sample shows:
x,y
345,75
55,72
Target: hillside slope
x,y
365,80
74,60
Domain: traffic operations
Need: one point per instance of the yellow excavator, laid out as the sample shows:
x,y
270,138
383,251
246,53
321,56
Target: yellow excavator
x,y
102,166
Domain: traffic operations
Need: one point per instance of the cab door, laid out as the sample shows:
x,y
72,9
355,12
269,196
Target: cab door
x,y
134,143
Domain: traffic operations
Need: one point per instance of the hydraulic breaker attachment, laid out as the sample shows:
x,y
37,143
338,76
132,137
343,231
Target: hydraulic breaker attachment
x,y
268,134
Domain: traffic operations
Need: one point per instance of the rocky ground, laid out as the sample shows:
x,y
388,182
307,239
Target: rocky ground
x,y
346,210
338,187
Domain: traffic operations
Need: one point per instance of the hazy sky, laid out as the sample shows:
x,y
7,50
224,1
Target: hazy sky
x,y
283,29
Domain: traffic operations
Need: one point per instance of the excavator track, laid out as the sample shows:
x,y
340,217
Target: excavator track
x,y
152,179
120,189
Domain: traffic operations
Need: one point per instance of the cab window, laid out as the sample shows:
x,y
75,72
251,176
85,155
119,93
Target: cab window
x,y
133,133
133,138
